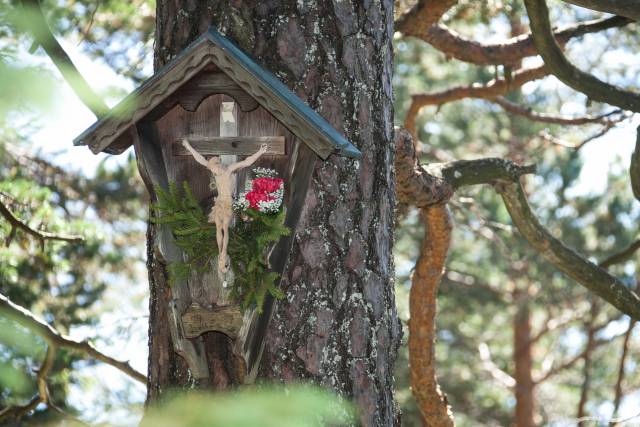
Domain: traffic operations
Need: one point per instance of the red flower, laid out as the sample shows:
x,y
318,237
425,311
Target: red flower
x,y
254,197
263,190
266,185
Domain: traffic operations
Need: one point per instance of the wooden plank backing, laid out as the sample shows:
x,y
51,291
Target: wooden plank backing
x,y
225,145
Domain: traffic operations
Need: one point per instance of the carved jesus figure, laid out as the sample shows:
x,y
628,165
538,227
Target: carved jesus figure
x,y
222,210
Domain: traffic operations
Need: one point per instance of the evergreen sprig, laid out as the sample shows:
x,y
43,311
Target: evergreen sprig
x,y
250,243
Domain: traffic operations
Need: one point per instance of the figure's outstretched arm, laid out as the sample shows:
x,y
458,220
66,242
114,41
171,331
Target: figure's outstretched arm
x,y
199,158
249,160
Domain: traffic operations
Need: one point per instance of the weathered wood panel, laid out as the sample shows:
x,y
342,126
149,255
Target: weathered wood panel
x,y
154,173
197,320
221,145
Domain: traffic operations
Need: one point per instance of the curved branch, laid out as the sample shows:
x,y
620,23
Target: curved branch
x,y
414,185
431,188
434,184
422,15
18,411
621,256
54,338
527,112
432,402
560,66
588,274
490,91
511,51
39,29
40,235
628,8
463,173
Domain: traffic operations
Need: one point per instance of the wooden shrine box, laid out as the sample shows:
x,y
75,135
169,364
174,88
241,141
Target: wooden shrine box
x,y
225,104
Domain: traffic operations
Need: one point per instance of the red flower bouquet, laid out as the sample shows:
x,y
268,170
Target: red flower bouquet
x,y
263,193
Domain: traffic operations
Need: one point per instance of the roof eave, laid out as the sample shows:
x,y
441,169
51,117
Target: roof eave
x,y
331,140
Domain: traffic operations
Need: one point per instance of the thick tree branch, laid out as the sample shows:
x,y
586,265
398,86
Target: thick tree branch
x,y
491,90
628,8
432,402
426,186
422,15
565,259
414,185
40,235
431,188
559,66
527,112
462,173
430,194
53,338
39,29
511,51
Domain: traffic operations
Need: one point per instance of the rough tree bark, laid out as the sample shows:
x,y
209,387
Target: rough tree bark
x,y
337,325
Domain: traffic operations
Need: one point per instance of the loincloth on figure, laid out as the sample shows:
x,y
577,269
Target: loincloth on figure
x,y
222,207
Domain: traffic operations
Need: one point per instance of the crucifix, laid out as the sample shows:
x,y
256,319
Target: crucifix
x,y
223,165
222,211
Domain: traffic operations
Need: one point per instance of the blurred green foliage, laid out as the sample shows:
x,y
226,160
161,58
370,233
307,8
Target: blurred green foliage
x,y
58,281
265,406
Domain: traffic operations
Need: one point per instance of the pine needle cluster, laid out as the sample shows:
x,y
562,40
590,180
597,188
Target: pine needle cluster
x,y
250,243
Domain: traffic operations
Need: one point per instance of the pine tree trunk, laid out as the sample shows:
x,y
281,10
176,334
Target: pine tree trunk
x,y
337,325
523,358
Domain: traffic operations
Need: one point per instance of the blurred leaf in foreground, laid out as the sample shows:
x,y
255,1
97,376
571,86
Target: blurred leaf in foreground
x,y
297,406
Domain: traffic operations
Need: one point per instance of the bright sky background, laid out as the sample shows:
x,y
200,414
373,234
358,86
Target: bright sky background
x,y
122,329
70,117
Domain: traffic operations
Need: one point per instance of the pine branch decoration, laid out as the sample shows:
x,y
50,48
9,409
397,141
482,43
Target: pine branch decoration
x,y
249,244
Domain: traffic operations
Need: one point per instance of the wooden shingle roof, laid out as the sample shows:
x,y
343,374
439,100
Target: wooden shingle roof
x,y
112,133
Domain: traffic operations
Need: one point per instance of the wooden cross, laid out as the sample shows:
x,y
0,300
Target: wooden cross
x,y
223,318
230,145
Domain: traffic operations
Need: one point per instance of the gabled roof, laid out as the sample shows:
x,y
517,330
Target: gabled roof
x,y
111,133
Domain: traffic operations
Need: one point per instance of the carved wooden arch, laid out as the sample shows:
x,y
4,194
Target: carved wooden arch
x,y
208,82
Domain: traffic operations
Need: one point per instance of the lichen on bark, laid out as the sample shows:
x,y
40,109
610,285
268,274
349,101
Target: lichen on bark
x,y
338,325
